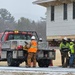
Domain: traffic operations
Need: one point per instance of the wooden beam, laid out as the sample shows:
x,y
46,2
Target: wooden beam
x,y
60,37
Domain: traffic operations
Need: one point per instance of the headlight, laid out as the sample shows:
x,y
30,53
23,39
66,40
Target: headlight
x,y
13,44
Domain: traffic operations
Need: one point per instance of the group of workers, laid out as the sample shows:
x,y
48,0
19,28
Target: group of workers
x,y
67,50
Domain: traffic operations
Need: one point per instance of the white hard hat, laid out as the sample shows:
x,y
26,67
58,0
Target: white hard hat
x,y
72,40
40,38
65,38
33,37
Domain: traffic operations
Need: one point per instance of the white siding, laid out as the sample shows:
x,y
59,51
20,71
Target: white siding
x,y
60,26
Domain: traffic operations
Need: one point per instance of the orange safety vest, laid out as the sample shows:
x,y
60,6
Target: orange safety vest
x,y
33,47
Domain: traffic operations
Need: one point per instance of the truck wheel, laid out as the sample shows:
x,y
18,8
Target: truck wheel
x,y
40,65
43,63
46,63
16,63
9,59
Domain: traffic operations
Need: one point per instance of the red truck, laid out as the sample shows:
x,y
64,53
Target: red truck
x,y
12,48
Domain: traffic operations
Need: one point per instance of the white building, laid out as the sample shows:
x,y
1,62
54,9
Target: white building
x,y
60,18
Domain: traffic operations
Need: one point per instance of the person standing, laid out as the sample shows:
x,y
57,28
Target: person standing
x,y
32,52
72,53
64,49
69,41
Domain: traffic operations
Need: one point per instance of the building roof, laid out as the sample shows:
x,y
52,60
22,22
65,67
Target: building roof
x,y
42,1
46,3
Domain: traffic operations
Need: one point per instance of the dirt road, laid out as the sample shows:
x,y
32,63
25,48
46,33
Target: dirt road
x,y
57,61
36,71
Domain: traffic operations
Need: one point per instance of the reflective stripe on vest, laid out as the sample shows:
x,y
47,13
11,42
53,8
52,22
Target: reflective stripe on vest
x,y
33,46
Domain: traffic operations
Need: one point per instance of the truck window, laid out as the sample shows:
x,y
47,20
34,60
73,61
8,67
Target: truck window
x,y
10,37
19,36
28,37
2,38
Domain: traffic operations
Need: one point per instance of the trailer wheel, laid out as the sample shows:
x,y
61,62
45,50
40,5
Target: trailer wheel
x,y
9,59
43,63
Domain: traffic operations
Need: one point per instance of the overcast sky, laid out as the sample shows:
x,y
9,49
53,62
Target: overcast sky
x,y
23,8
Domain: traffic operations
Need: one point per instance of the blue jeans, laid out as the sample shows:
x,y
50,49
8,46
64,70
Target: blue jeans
x,y
71,61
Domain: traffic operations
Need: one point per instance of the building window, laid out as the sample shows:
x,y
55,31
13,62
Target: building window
x,y
52,13
65,11
73,10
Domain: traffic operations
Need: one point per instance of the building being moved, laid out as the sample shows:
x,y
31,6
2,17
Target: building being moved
x,y
60,20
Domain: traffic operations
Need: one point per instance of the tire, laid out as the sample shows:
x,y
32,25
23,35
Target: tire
x,y
40,64
16,64
46,62
9,59
43,63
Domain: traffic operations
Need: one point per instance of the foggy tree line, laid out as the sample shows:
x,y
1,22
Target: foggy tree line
x,y
7,22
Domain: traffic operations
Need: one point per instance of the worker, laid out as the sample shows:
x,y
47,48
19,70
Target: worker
x,y
68,41
72,53
64,48
32,52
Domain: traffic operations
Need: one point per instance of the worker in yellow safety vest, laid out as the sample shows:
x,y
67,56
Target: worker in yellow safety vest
x,y
64,49
72,53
